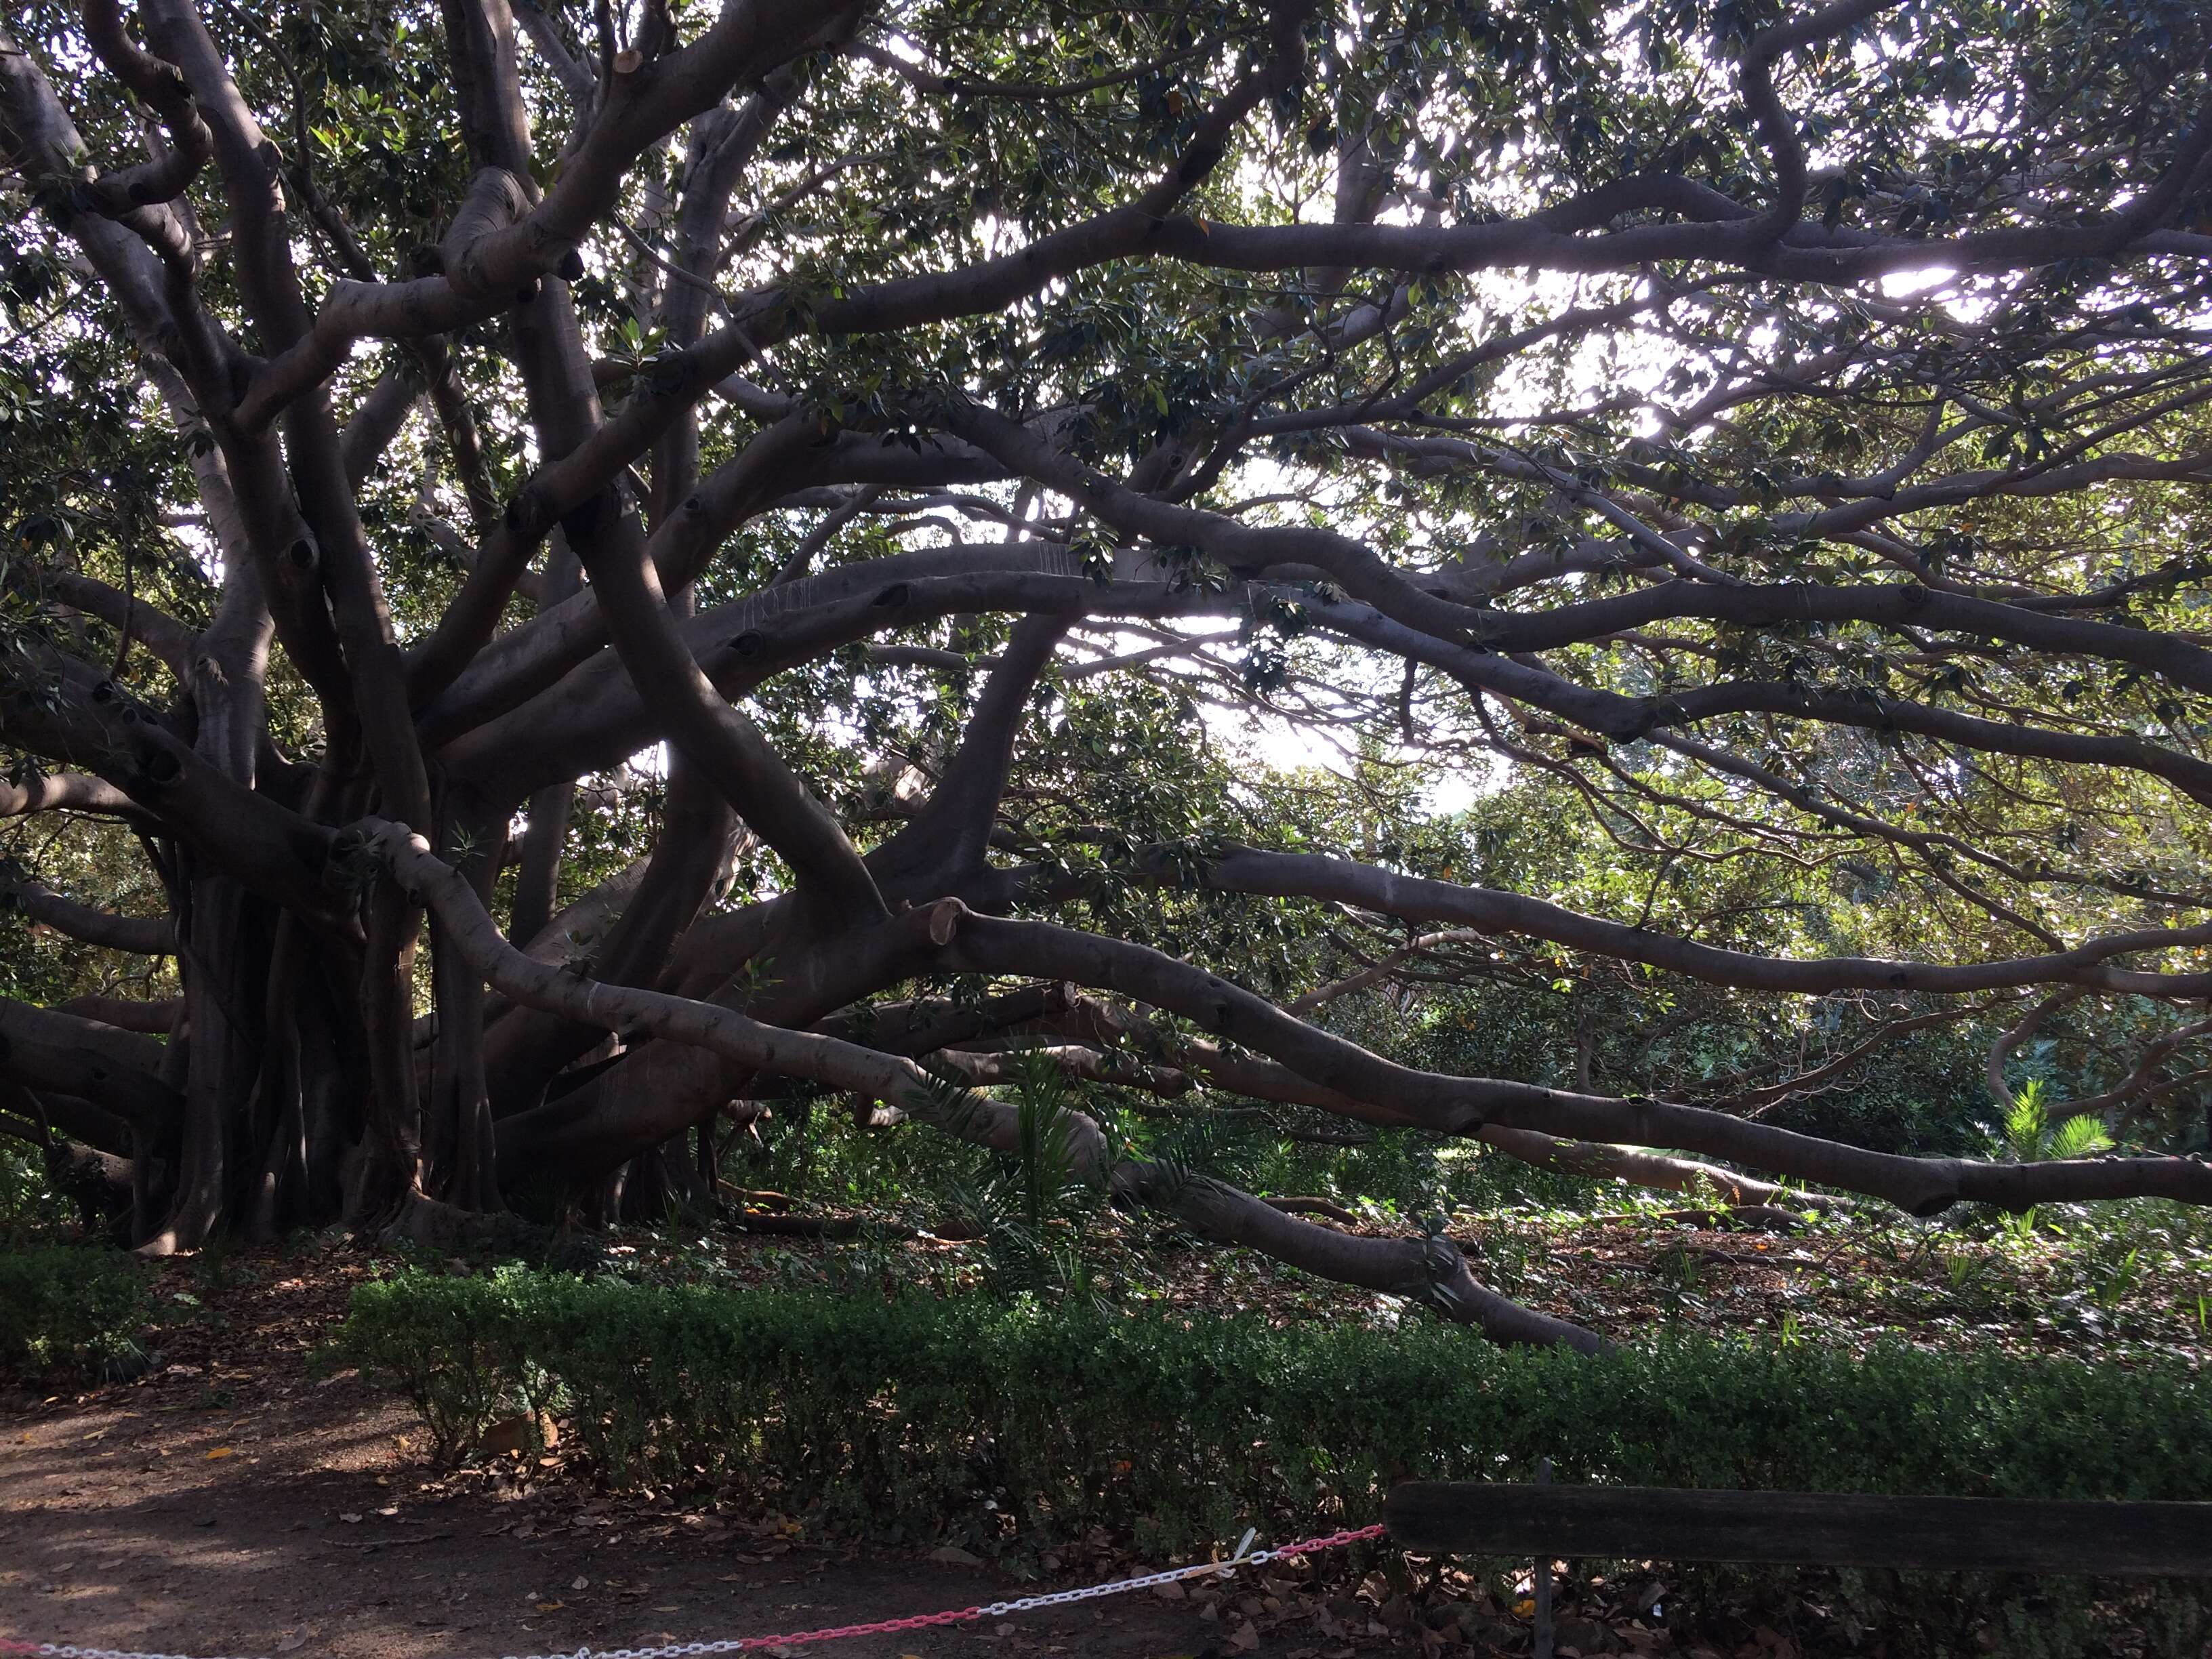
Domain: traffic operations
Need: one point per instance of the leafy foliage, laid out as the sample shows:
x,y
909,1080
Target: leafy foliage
x,y
2029,1133
69,1309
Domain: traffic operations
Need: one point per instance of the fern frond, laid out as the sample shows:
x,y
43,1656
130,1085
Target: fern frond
x,y
2026,1122
2080,1137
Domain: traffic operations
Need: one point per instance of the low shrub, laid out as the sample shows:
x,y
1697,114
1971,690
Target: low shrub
x,y
65,1307
1022,1424
921,1414
30,1205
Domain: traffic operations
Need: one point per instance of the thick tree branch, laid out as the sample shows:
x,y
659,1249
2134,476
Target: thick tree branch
x,y
1415,899
153,936
48,1050
1464,1105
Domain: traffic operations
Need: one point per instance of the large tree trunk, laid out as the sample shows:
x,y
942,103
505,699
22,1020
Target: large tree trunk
x,y
225,958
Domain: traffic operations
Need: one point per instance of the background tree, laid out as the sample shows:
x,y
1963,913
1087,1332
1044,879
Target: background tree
x,y
842,457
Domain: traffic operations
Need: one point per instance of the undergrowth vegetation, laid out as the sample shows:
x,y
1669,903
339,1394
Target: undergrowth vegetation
x,y
67,1309
2125,1280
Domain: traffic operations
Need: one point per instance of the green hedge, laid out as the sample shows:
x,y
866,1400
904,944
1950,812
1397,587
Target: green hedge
x,y
916,1414
69,1307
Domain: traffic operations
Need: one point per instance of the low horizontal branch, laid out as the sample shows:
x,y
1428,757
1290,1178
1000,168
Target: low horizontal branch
x,y
1466,1106
117,1070
156,1018
150,936
64,792
1944,1534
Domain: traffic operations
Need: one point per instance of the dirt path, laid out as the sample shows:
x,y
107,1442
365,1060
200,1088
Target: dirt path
x,y
157,1523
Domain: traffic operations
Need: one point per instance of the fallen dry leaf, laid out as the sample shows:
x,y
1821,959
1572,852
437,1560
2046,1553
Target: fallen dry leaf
x,y
515,1435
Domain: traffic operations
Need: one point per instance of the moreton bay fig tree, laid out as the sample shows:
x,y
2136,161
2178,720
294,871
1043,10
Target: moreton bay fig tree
x,y
899,435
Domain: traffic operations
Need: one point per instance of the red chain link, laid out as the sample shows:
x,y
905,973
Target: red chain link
x,y
1334,1540
881,1626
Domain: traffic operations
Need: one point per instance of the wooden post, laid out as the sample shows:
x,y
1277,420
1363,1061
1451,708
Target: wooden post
x,y
1540,1580
1836,1530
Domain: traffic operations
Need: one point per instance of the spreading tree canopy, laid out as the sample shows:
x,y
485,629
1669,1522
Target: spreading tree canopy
x,y
1772,439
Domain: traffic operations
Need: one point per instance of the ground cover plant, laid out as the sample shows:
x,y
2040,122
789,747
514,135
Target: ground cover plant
x,y
66,1309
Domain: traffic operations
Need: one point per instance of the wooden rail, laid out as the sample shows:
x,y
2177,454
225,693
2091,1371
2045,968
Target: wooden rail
x,y
1790,1529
